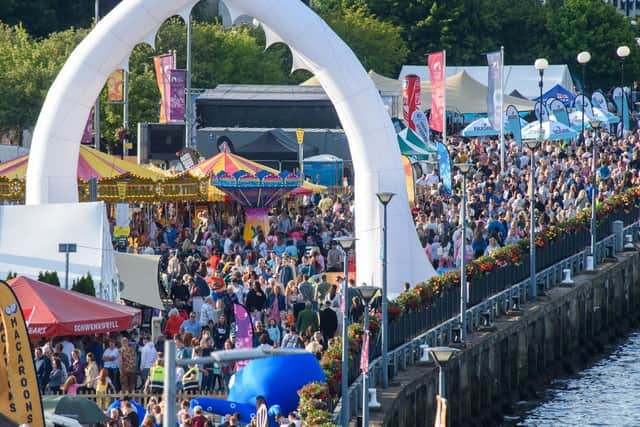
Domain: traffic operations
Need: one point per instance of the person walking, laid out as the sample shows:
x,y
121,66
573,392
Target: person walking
x,y
111,362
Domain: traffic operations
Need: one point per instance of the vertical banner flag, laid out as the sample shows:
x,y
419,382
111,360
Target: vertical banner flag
x,y
176,95
620,99
87,135
421,125
410,98
244,330
598,100
583,104
541,110
513,121
436,75
163,64
494,93
444,166
409,181
547,103
364,354
115,84
559,111
19,392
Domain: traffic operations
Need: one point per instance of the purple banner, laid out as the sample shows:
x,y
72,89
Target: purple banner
x,y
176,95
244,330
87,135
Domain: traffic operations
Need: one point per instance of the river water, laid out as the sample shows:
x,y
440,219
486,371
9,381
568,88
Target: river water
x,y
605,394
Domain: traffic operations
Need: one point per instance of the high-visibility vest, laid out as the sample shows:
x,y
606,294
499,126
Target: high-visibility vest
x,y
157,378
191,384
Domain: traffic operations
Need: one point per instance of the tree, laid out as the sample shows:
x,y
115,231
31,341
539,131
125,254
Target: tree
x,y
596,27
84,285
377,44
50,277
11,275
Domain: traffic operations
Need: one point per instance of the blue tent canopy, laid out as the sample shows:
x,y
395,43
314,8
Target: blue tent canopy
x,y
560,93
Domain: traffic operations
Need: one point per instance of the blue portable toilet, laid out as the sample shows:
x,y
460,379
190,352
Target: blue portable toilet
x,y
324,169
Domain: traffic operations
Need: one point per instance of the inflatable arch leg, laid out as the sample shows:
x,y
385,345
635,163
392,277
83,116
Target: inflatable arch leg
x,y
51,174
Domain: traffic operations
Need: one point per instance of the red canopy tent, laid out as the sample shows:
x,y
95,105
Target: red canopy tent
x,y
52,312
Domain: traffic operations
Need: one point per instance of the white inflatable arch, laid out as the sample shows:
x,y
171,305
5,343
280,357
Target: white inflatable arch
x,y
51,173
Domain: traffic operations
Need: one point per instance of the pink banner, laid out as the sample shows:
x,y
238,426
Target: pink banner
x,y
244,330
176,95
436,75
163,64
87,136
364,354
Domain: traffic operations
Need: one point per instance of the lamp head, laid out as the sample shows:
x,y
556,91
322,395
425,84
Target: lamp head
x,y
464,167
595,124
584,57
385,197
442,354
531,144
623,52
367,292
541,64
346,242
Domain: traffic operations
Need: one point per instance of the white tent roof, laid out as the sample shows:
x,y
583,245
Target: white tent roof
x,y
523,78
464,94
30,235
139,274
323,158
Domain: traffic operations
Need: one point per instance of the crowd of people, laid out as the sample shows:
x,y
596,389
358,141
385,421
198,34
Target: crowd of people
x,y
498,201
287,276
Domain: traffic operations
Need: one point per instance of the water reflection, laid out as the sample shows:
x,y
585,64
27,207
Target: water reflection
x,y
606,394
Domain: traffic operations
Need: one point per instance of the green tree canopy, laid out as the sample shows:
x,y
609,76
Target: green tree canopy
x,y
596,27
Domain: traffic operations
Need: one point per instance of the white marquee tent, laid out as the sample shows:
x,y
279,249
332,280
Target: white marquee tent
x,y
523,78
30,235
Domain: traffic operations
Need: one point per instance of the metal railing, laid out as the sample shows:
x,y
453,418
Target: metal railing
x,y
484,312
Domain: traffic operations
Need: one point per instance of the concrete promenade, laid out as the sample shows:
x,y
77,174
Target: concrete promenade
x,y
558,333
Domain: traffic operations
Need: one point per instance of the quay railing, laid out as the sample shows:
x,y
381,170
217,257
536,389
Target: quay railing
x,y
439,324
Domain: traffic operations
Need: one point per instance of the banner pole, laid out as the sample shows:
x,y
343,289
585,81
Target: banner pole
x,y
502,147
444,96
96,110
125,111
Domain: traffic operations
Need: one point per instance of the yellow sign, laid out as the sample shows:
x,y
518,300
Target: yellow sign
x,y
128,145
121,231
300,135
23,404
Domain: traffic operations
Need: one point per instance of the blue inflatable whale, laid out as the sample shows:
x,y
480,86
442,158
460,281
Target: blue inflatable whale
x,y
278,379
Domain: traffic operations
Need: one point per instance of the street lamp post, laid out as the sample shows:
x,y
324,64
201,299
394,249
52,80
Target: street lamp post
x,y
366,294
346,243
583,58
384,198
464,167
622,52
442,355
532,145
595,124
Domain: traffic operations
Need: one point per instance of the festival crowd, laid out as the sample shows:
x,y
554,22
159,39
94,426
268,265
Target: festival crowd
x,y
283,275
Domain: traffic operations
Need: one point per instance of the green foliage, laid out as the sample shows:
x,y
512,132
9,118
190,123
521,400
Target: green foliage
x,y
598,28
377,44
50,277
11,275
84,285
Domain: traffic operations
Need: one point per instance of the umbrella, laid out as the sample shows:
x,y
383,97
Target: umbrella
x,y
412,145
575,119
56,312
551,129
479,127
606,116
80,408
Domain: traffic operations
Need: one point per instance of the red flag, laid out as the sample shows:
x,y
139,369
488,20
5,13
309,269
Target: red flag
x,y
410,98
364,355
436,75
